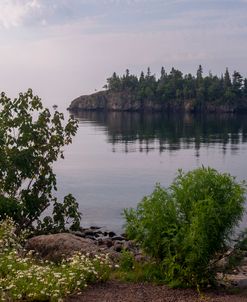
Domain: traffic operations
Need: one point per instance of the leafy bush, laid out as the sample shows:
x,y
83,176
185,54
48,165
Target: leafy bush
x,y
31,140
26,279
187,225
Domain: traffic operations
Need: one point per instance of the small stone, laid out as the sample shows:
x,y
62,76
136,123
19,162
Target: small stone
x,y
140,258
100,233
100,241
79,234
108,242
89,233
118,247
120,238
90,237
128,245
111,234
114,256
94,227
242,283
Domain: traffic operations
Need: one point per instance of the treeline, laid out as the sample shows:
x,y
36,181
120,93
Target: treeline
x,y
174,85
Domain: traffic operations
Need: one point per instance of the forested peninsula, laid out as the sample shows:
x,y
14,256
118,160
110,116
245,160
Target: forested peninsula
x,y
171,91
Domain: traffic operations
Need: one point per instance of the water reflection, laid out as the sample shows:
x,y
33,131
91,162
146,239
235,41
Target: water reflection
x,y
136,132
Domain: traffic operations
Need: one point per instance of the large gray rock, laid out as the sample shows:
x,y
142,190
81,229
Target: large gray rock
x,y
56,247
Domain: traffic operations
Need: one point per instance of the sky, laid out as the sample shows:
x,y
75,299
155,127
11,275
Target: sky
x,y
66,48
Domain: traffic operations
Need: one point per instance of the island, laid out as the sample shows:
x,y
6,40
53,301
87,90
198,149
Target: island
x,y
171,91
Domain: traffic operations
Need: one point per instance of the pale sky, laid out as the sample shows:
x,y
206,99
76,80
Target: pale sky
x,y
64,48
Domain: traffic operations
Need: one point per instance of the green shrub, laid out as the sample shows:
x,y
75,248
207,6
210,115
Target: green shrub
x,y
126,261
132,270
31,140
187,225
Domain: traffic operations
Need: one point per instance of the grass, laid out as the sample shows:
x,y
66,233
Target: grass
x,y
131,270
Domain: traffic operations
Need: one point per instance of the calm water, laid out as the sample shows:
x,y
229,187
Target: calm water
x,y
117,158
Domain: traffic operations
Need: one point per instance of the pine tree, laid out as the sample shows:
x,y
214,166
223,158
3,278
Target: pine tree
x,y
162,73
148,72
199,73
245,88
227,79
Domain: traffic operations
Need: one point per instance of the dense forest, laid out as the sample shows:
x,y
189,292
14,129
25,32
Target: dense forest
x,y
225,90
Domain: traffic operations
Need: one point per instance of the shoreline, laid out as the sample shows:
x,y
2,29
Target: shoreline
x,y
125,101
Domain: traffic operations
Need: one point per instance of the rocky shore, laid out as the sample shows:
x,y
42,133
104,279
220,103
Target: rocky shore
x,y
127,101
93,240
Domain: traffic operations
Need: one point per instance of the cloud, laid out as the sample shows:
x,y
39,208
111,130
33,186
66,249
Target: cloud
x,y
16,13
41,13
116,15
13,13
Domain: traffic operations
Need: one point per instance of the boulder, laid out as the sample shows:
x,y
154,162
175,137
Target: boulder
x,y
56,247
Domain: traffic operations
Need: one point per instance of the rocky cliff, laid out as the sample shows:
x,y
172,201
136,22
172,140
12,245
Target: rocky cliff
x,y
124,101
127,101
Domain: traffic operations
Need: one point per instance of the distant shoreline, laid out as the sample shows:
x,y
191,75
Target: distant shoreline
x,y
127,101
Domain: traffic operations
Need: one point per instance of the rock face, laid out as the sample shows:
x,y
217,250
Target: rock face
x,y
56,247
127,101
105,100
122,101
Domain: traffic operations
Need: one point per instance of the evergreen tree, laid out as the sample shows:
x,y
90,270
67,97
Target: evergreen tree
x,y
114,82
162,73
245,88
199,73
141,87
142,77
237,81
227,79
148,72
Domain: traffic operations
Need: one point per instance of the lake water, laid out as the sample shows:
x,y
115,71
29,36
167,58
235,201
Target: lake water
x,y
116,158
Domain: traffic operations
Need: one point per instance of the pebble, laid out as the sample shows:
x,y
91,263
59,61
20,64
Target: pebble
x,y
118,246
119,238
79,234
93,227
89,233
107,239
111,234
91,237
108,242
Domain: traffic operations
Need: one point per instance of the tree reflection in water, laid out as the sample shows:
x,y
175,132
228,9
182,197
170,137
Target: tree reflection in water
x,y
145,132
